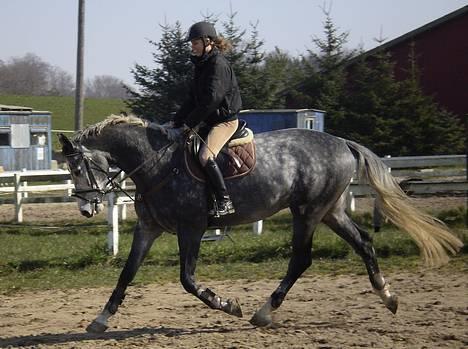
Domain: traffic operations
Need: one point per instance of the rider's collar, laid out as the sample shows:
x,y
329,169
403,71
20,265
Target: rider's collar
x,y
200,60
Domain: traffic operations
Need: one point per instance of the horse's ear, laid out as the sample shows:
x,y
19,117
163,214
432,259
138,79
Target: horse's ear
x,y
67,145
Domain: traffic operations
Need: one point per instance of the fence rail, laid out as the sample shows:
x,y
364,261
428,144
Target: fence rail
x,y
425,161
428,175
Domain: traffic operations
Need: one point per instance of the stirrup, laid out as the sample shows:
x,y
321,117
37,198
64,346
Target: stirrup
x,y
222,208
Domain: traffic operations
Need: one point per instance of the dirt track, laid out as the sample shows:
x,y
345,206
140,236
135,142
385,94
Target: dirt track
x,y
320,312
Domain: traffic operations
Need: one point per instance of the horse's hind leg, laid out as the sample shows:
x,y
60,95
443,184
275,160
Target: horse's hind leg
x,y
142,241
361,242
303,230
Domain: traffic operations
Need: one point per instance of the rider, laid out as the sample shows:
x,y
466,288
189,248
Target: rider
x,y
215,100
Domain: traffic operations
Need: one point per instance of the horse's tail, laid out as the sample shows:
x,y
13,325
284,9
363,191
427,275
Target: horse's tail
x,y
430,234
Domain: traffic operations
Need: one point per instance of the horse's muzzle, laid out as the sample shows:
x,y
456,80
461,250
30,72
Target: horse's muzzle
x,y
89,209
86,208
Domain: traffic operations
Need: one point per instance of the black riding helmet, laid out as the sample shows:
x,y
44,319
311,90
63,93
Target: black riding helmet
x,y
201,30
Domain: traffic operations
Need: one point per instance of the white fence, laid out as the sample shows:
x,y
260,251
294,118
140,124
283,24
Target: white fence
x,y
429,175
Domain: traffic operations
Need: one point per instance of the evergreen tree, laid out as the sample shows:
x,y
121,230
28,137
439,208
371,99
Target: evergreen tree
x,y
254,84
419,126
234,34
163,88
369,100
246,58
324,84
332,78
282,72
394,117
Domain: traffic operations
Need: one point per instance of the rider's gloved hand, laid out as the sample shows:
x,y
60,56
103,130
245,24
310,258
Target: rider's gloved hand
x,y
174,134
168,125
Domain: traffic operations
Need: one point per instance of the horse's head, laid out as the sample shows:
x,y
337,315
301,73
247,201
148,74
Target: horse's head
x,y
89,172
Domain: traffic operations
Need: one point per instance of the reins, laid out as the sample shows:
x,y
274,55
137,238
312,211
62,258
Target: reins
x,y
111,181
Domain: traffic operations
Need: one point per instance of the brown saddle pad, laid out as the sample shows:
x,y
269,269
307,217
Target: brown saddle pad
x,y
234,161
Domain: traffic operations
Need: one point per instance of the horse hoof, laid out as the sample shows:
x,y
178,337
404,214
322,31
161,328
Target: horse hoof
x,y
96,327
392,304
260,320
233,307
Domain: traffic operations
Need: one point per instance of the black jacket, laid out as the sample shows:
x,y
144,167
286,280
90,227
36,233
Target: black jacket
x,y
214,94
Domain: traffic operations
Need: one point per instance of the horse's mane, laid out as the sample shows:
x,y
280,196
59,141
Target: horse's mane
x,y
111,120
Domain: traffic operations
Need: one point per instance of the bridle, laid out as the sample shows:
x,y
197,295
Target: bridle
x,y
80,159
112,184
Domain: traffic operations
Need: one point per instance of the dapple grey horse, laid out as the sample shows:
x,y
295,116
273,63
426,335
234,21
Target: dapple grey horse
x,y
303,170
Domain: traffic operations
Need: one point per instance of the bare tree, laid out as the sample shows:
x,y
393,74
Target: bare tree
x,y
24,75
30,75
60,83
106,86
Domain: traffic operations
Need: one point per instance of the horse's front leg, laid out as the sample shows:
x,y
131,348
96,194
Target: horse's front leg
x,y
189,246
142,241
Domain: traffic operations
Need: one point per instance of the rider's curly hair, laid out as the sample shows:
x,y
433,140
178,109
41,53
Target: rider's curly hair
x,y
222,44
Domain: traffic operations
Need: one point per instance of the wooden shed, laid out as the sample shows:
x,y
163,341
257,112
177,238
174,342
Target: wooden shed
x,y
25,139
263,120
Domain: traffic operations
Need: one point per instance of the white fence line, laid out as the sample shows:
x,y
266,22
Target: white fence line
x,y
18,185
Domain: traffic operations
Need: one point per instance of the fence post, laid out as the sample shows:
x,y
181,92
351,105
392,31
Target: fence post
x,y
70,190
25,189
123,206
113,222
18,198
351,202
257,227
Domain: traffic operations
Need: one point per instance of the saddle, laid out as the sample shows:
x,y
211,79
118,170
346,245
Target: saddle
x,y
236,158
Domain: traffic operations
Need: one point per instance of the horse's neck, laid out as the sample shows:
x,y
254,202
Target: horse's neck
x,y
134,156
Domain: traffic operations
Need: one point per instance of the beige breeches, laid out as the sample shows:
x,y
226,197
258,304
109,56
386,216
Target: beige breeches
x,y
217,137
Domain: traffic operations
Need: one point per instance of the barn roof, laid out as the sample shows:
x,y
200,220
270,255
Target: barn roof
x,y
410,35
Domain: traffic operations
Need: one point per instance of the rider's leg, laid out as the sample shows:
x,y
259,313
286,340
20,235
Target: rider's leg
x,y
217,137
224,204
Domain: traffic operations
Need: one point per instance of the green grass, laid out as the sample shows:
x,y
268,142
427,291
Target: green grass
x,y
75,255
63,109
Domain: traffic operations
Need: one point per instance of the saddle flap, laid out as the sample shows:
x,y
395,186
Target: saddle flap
x,y
234,160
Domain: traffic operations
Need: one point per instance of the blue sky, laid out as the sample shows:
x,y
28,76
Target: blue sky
x,y
117,31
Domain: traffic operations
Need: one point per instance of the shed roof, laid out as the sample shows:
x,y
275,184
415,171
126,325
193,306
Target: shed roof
x,y
4,107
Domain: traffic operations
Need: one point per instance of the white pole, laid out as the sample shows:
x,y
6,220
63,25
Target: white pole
x,y
25,189
70,190
18,198
351,202
113,221
258,227
123,206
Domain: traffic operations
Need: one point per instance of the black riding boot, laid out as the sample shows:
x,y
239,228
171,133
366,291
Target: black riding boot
x,y
223,205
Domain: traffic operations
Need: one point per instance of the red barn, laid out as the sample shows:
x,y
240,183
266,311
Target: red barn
x,y
441,50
